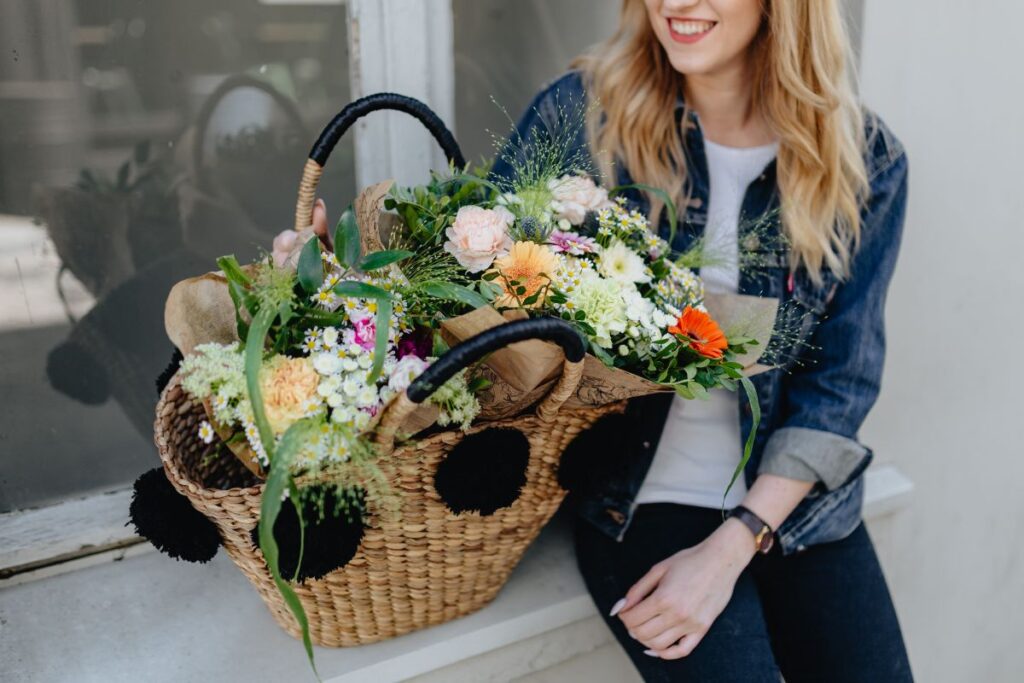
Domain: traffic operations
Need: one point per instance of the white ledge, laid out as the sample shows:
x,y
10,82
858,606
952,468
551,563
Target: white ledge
x,y
147,617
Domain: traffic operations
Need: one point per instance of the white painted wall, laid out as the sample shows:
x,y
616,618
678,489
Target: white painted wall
x,y
947,77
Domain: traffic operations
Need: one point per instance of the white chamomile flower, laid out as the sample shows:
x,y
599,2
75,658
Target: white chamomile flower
x,y
330,337
367,397
335,400
206,432
351,387
327,363
349,365
364,361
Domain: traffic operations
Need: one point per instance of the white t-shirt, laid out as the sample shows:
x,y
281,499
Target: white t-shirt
x,y
701,442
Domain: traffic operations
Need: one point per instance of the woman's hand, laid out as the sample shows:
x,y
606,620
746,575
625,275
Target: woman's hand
x,y
671,608
288,241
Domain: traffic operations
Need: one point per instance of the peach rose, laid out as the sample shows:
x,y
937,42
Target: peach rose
x,y
478,236
574,196
289,387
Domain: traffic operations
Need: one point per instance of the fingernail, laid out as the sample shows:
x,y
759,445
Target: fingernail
x,y
617,607
650,653
631,635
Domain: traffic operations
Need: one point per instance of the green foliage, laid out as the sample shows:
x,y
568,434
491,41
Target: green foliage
x,y
311,266
347,246
427,210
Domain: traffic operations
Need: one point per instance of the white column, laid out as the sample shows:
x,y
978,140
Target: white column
x,y
402,46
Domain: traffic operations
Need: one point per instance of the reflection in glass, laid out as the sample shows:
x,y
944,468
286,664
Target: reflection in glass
x,y
139,140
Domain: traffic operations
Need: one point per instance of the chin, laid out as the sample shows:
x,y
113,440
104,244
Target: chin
x,y
691,65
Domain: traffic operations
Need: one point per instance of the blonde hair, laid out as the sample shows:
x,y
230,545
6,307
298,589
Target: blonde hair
x,y
803,88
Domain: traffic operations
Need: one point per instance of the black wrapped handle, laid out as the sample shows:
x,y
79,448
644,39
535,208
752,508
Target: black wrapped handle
x,y
345,119
354,111
475,348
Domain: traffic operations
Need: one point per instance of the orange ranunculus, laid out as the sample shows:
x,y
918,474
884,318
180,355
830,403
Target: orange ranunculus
x,y
703,333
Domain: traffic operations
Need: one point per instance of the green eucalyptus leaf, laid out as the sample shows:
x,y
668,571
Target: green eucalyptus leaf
x,y
346,240
452,292
379,259
361,290
311,266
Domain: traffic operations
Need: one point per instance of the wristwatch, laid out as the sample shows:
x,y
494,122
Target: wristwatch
x,y
764,535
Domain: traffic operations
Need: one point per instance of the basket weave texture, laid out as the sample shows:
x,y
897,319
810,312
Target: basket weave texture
x,y
422,567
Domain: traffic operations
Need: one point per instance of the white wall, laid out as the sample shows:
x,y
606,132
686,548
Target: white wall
x,y
947,78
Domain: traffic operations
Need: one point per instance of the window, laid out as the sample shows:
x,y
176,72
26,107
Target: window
x,y
139,140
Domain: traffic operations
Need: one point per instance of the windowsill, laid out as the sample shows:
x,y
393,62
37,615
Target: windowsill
x,y
146,614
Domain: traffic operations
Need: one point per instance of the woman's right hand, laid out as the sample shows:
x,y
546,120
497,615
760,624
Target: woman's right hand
x,y
288,241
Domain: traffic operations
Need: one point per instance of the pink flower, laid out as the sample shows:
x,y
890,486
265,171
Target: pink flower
x,y
574,196
365,333
478,236
571,243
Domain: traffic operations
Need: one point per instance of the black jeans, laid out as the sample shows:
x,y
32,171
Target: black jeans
x,y
823,615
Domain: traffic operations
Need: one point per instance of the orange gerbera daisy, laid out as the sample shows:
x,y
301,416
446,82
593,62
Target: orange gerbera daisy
x,y
702,332
527,265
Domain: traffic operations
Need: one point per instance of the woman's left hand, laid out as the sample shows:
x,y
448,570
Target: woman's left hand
x,y
672,607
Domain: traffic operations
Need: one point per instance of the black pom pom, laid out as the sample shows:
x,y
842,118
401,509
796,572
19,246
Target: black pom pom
x,y
330,543
167,520
73,371
595,455
486,471
172,367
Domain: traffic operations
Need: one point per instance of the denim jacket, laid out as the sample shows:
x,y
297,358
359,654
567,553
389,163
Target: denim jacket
x,y
814,404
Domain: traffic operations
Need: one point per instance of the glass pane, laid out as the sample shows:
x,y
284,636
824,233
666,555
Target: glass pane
x,y
139,140
508,50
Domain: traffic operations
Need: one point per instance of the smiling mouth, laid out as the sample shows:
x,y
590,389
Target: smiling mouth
x,y
690,29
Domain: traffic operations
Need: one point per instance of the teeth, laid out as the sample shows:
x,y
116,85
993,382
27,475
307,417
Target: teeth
x,y
691,28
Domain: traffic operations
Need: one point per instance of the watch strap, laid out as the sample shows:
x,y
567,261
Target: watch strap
x,y
764,535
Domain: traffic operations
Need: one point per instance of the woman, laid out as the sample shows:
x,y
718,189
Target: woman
x,y
745,110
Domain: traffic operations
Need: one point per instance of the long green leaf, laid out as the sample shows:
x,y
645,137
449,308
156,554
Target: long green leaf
x,y
253,362
379,259
670,205
748,447
452,292
346,240
380,348
278,481
311,266
360,290
233,272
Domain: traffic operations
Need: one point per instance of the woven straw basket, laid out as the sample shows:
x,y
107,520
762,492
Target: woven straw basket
x,y
425,565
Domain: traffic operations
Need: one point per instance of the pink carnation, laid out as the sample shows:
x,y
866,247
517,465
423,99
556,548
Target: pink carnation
x,y
365,333
478,236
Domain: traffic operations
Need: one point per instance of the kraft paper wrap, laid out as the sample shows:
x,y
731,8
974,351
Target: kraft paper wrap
x,y
523,373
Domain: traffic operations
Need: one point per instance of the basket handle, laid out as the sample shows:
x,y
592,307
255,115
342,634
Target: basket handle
x,y
474,349
228,85
344,120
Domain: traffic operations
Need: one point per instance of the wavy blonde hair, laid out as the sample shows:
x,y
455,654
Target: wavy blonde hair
x,y
803,88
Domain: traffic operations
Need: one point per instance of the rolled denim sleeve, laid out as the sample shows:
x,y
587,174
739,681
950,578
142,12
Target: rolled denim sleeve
x,y
828,396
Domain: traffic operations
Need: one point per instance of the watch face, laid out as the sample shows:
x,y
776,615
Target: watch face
x,y
765,540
